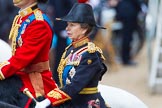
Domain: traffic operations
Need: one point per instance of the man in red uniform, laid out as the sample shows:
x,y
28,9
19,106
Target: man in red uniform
x,y
31,37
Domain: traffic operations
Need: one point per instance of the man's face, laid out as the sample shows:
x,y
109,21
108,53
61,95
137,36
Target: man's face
x,y
113,3
23,3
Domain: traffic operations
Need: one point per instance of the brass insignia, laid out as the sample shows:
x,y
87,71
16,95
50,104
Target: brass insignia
x,y
72,72
54,94
89,61
20,42
27,20
68,81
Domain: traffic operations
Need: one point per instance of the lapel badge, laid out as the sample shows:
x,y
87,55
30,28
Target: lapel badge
x,y
89,61
20,42
27,20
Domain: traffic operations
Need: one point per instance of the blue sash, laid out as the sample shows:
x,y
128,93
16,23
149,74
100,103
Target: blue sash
x,y
67,70
65,73
27,22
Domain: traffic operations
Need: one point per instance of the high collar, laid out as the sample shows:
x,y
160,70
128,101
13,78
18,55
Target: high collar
x,y
80,42
28,10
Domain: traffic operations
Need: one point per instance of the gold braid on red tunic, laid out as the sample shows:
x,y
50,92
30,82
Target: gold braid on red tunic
x,y
14,33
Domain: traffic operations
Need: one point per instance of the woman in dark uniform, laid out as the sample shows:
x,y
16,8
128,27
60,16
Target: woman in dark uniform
x,y
81,66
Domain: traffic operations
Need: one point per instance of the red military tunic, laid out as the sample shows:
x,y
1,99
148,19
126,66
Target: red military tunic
x,y
82,1
30,58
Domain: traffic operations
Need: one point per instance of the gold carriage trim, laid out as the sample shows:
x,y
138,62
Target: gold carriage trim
x,y
91,90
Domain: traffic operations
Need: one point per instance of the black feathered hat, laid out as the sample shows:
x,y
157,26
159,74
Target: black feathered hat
x,y
81,13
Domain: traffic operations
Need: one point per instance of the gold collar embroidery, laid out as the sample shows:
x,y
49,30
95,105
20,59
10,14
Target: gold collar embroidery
x,y
27,10
80,42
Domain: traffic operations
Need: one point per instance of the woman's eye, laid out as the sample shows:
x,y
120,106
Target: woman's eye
x,y
72,25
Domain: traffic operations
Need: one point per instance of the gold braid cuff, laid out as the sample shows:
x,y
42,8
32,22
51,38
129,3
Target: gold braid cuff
x,y
2,65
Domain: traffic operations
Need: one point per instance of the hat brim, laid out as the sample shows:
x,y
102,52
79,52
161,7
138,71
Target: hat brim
x,y
64,19
100,27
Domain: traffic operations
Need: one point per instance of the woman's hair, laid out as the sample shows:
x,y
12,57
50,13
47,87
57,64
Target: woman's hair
x,y
86,26
42,1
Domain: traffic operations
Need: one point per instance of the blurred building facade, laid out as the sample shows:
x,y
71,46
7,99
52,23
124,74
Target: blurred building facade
x,y
7,13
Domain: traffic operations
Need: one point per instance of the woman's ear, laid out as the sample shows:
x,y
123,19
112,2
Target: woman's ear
x,y
84,31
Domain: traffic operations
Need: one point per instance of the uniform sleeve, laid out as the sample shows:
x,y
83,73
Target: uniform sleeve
x,y
57,97
35,38
88,69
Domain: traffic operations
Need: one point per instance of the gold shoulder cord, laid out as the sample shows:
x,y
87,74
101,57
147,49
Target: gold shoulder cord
x,y
61,66
14,33
100,51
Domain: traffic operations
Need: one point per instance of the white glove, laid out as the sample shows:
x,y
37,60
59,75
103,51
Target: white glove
x,y
43,104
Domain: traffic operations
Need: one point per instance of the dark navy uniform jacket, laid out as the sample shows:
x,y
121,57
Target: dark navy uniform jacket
x,y
80,70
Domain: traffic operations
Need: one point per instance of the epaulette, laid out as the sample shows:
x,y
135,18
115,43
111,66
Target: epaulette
x,y
38,15
92,48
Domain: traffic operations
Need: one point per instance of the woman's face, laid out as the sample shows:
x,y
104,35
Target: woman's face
x,y
23,3
75,31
